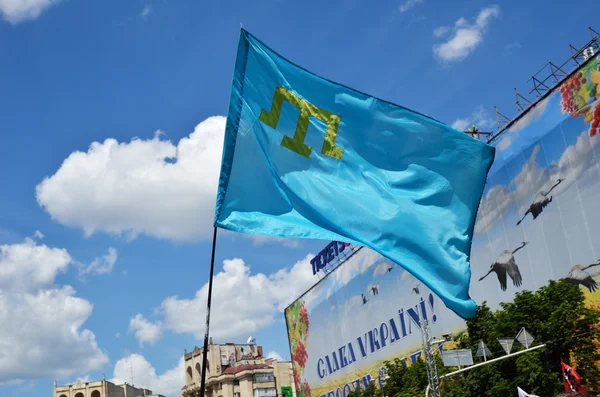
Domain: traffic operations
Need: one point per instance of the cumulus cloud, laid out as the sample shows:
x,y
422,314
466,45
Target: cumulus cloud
x,y
532,114
242,302
480,118
510,48
259,240
274,355
352,303
40,322
575,161
148,186
381,269
355,265
146,11
17,11
493,207
168,383
144,330
465,36
100,265
408,4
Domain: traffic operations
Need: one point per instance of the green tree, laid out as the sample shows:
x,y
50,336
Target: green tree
x,y
555,315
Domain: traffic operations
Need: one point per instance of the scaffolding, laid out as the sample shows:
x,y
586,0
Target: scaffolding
x,y
432,375
545,80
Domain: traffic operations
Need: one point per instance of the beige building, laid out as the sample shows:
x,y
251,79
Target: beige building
x,y
101,388
236,371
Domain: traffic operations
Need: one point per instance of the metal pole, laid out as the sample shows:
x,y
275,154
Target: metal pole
x,y
208,301
492,361
432,375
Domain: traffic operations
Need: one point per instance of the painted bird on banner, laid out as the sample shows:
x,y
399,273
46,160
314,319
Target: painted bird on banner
x,y
305,157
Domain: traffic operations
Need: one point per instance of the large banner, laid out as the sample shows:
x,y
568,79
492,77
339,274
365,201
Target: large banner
x,y
539,219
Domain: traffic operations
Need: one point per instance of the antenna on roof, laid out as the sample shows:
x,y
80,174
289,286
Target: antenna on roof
x,y
131,370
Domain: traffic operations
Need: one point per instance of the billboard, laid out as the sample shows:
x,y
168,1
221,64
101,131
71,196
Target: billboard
x,y
539,219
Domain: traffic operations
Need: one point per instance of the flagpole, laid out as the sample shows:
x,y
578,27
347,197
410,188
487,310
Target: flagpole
x,y
208,301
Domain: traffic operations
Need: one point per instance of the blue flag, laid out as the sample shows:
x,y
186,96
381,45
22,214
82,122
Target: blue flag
x,y
308,158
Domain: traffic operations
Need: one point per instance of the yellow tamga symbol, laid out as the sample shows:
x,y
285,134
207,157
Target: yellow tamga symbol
x,y
307,109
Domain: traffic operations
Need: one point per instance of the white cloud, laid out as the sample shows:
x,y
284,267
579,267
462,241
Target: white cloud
x,y
40,322
82,379
242,302
504,143
145,186
354,265
531,115
574,162
101,265
408,4
274,355
146,11
381,269
27,267
441,31
258,240
493,207
353,302
38,235
145,331
17,11
464,36
480,118
168,383
509,48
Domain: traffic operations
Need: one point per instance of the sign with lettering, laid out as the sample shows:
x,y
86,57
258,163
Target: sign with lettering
x,y
364,312
327,255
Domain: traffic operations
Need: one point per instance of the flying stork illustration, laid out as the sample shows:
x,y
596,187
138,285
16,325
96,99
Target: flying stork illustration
x,y
390,267
578,275
540,201
364,298
374,289
506,264
415,289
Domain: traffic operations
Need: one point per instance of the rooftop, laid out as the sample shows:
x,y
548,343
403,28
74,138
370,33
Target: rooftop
x,y
245,367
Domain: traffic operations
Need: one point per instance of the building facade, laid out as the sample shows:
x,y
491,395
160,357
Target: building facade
x,y
236,371
101,388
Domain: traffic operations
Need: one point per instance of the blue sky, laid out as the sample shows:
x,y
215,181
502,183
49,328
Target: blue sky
x,y
125,244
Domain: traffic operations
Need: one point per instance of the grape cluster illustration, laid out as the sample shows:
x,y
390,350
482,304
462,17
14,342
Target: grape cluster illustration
x,y
298,323
580,95
569,92
304,317
595,125
306,389
300,356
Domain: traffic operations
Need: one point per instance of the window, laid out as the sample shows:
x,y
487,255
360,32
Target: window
x,y
95,393
79,395
267,392
264,377
236,394
235,383
190,378
198,371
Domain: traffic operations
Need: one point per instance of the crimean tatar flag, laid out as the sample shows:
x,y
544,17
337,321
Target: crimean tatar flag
x,y
305,157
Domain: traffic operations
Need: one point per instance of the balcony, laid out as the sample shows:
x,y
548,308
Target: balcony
x,y
266,392
264,377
